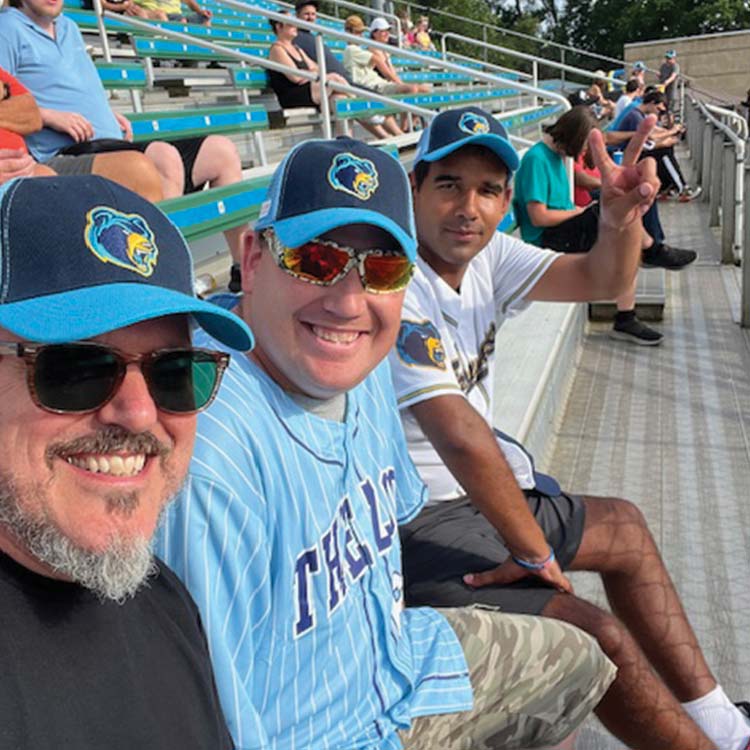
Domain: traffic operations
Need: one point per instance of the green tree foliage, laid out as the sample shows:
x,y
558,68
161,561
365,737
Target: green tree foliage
x,y
605,26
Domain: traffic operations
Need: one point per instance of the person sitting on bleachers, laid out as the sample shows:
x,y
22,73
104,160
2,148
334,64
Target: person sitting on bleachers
x,y
422,39
82,134
307,10
19,115
639,72
171,10
663,140
380,31
371,67
294,91
596,99
407,28
125,7
633,91
495,533
548,218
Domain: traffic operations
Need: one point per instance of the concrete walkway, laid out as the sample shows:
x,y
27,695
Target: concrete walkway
x,y
669,428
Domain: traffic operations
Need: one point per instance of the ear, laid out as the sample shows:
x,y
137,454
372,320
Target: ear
x,y
252,250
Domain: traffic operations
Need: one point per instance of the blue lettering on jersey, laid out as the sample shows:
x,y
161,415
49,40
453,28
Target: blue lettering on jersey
x,y
356,551
343,534
383,532
307,564
332,558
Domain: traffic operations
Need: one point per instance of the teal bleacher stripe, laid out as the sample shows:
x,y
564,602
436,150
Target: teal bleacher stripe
x,y
345,105
169,47
120,75
186,218
182,122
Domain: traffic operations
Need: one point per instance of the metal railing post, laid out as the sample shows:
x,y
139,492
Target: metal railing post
x,y
562,60
745,305
717,163
102,31
727,204
707,151
325,107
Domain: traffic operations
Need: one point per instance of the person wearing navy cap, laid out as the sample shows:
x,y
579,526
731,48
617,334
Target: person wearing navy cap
x,y
505,531
287,531
100,644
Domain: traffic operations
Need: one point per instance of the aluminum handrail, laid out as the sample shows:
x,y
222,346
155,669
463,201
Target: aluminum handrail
x,y
491,66
270,65
740,151
518,34
523,56
408,54
729,114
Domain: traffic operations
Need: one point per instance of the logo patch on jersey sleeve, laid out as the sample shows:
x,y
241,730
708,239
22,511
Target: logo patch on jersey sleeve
x,y
353,175
473,123
419,344
125,240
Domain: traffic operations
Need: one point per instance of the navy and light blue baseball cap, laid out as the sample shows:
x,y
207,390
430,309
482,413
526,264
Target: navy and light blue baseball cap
x,y
325,184
82,256
456,128
670,53
639,65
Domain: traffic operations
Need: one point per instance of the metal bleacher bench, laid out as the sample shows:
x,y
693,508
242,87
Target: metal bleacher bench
x,y
176,124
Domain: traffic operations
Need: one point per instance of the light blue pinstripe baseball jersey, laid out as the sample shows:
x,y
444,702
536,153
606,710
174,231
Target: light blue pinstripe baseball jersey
x,y
286,535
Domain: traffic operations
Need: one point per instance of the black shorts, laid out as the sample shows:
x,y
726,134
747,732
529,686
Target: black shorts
x,y
188,149
576,235
452,538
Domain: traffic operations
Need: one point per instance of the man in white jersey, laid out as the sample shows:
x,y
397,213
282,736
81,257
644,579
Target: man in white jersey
x,y
288,534
469,278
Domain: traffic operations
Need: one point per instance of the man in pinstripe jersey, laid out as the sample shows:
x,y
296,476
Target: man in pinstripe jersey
x,y
287,530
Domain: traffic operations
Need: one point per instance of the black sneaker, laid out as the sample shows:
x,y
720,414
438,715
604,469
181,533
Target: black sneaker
x,y
661,255
235,279
636,332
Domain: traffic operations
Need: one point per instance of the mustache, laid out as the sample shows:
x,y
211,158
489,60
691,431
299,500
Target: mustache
x,y
112,439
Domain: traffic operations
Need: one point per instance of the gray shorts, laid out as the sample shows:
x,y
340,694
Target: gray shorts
x,y
452,538
534,681
72,165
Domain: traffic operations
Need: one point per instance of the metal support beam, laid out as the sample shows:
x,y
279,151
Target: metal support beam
x,y
717,164
727,204
745,306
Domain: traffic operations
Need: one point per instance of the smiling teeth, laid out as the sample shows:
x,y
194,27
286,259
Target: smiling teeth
x,y
116,466
337,337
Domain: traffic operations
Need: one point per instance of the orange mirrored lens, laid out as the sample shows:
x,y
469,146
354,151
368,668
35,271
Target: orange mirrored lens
x,y
387,273
315,261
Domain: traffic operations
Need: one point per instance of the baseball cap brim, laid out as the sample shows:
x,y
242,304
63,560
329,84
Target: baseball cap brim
x,y
296,230
506,153
93,311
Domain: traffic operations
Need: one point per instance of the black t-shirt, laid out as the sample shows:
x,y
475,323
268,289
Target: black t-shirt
x,y
80,674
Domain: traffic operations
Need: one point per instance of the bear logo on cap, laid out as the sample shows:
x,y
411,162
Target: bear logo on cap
x,y
473,123
353,175
125,240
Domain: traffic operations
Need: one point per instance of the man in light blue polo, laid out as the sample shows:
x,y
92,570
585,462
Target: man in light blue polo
x,y
45,51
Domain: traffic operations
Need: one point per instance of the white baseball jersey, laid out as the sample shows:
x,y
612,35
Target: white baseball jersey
x,y
286,535
446,345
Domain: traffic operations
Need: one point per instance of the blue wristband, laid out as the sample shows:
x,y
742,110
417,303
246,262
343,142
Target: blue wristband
x,y
535,566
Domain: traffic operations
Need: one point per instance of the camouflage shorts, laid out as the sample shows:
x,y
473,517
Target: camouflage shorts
x,y
534,679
